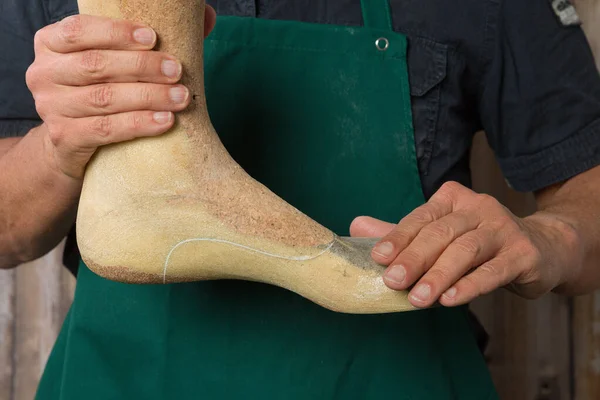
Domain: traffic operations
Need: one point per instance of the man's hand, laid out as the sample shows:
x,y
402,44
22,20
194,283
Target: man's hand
x,y
461,245
95,82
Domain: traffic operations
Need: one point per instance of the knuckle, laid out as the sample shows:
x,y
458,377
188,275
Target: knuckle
x,y
505,222
492,275
469,245
484,197
101,96
469,285
102,126
115,33
572,239
424,214
523,244
146,96
529,251
413,257
45,103
397,236
142,60
136,121
490,268
39,39
486,200
530,276
439,231
32,77
93,63
42,105
451,188
478,286
70,29
439,275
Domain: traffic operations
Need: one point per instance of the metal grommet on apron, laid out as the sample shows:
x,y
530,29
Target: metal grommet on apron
x,y
323,118
382,44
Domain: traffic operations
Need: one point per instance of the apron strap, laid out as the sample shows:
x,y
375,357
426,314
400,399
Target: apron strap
x,y
376,14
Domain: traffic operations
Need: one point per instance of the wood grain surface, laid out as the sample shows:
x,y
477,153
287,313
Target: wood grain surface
x,y
34,299
7,327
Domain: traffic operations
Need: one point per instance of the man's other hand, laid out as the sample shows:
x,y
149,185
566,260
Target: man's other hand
x,y
460,245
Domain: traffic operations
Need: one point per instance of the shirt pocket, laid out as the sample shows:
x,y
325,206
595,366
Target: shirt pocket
x,y
427,69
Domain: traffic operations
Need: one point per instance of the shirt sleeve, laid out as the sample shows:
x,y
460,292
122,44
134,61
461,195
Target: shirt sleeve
x,y
540,97
19,21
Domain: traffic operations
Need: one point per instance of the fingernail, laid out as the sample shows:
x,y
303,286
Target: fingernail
x,y
171,68
384,249
396,274
178,94
162,117
421,292
450,293
144,36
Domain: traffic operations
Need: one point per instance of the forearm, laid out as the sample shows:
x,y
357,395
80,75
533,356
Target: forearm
x,y
576,238
38,202
7,144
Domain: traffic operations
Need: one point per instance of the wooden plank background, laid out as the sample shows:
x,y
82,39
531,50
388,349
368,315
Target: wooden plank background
x,y
547,349
586,310
34,299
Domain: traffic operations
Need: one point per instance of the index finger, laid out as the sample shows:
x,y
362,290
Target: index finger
x,y
388,248
87,32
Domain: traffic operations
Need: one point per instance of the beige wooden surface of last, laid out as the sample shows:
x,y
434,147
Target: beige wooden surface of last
x,y
539,350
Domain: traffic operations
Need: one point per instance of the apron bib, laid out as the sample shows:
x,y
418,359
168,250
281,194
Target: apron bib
x,y
321,115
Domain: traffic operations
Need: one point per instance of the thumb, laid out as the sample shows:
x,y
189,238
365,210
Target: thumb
x,y
370,227
210,19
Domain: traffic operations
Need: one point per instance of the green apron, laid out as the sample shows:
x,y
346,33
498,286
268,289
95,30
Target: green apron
x,y
322,115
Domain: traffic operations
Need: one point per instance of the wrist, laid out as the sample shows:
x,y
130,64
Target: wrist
x,y
562,244
51,160
33,183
